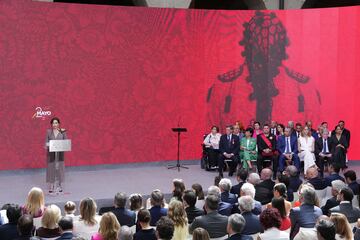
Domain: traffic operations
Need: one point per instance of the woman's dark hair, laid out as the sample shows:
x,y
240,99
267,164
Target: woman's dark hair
x,y
256,122
281,189
217,128
283,178
337,126
179,188
198,191
144,216
200,234
249,130
270,217
279,204
54,119
135,201
326,229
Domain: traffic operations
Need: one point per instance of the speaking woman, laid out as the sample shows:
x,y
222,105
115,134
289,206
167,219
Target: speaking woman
x,y
55,167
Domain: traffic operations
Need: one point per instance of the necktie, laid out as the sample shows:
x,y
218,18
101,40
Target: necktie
x,y
325,146
287,149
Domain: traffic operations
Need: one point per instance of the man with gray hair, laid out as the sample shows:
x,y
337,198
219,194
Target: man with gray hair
x,y
125,233
294,176
323,148
264,190
287,147
226,196
336,186
224,207
306,215
236,224
252,222
248,189
254,179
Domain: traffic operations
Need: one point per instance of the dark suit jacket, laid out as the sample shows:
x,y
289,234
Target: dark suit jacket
x,y
193,212
214,223
318,183
346,134
351,213
262,145
330,203
264,191
229,198
303,216
295,183
252,224
332,177
239,236
156,213
319,145
232,147
66,236
236,188
281,145
225,208
354,187
124,216
8,231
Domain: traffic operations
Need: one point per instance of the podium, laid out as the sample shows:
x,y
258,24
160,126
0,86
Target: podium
x,y
178,130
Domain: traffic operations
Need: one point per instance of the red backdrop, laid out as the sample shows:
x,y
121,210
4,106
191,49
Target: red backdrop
x,y
119,78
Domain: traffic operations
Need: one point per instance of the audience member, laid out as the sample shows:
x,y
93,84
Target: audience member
x,y
313,178
136,202
229,147
248,151
25,227
287,147
323,148
264,190
35,205
126,233
213,222
248,189
345,207
49,223
88,222
280,192
252,223
270,219
298,129
66,228
350,178
341,144
295,180
178,215
326,230
254,179
9,230
279,204
200,234
235,227
165,228
211,143
241,176
189,200
69,209
342,226
310,233
224,207
266,143
200,197
336,186
306,148
178,191
285,179
226,196
123,215
333,174
146,232
109,228
157,210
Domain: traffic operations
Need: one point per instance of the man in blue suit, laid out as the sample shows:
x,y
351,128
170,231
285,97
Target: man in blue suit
x,y
288,148
252,222
66,227
236,224
229,147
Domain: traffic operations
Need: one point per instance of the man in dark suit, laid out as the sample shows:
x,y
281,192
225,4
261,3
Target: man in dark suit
x,y
273,127
294,176
336,186
345,207
229,147
298,129
189,201
66,227
224,208
313,178
287,147
157,210
213,222
266,143
345,132
252,222
226,196
236,224
334,174
350,178
123,215
9,231
323,149
264,190
25,227
241,176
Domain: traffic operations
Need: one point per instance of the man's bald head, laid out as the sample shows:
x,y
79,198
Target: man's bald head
x,y
266,174
311,172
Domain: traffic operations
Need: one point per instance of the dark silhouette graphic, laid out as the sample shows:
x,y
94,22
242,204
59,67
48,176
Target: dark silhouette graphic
x,y
265,41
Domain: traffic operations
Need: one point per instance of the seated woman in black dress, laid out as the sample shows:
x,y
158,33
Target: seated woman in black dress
x,y
341,145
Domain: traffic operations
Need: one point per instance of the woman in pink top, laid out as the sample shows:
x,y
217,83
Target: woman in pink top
x,y
109,228
257,130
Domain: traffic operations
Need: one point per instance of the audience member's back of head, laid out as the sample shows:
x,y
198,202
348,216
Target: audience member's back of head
x,y
351,175
66,223
157,198
25,225
246,203
247,189
120,200
198,191
254,179
189,198
270,218
200,234
334,167
326,230
165,228
136,201
70,207
236,223
308,196
212,202
347,194
88,210
214,190
292,171
242,174
144,216
13,213
51,217
125,233
283,178
225,184
266,174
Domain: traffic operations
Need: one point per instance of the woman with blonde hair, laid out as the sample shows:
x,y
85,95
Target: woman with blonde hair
x,y
35,205
49,223
88,222
109,228
306,147
342,226
177,214
200,234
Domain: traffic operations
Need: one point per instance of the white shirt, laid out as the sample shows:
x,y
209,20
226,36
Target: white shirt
x,y
327,146
212,140
274,234
84,230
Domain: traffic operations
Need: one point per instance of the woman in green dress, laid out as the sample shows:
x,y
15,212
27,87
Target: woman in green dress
x,y
248,149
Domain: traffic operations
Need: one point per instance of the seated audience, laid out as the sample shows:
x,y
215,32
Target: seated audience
x,y
49,223
200,234
345,207
266,143
323,149
224,207
157,210
125,233
123,215
211,143
200,196
313,178
306,214
229,147
178,191
285,179
189,200
248,151
9,230
310,233
280,192
109,228
165,228
333,174
213,222
252,223
288,149
264,190
248,189
25,227
336,186
295,180
241,176
146,232
279,204
35,205
306,148
69,209
326,230
177,214
254,179
235,227
88,222
66,228
226,196
270,220
342,226
350,178
136,202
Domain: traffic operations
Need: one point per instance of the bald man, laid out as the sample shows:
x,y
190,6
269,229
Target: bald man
x,y
264,190
312,176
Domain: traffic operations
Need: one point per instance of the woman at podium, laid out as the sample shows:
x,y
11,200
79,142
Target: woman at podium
x,y
55,166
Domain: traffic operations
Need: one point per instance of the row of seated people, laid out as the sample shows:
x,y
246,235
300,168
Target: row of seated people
x,y
255,208
281,146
